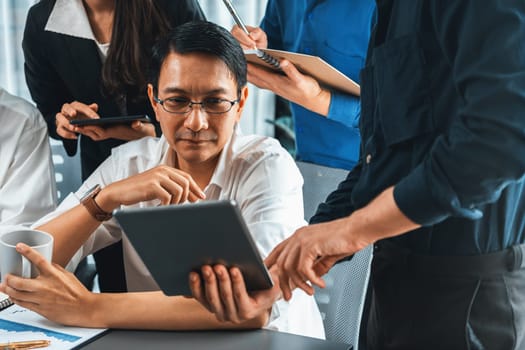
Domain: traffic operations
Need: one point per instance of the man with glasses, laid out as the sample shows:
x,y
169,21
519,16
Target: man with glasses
x,y
198,91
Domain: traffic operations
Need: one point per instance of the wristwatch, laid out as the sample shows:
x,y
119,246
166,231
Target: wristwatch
x,y
88,201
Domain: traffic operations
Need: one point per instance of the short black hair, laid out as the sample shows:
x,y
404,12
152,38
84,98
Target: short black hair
x,y
203,37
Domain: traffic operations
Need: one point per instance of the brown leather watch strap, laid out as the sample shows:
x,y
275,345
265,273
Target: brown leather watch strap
x,y
88,201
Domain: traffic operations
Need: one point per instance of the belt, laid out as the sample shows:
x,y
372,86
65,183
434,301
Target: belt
x,y
507,260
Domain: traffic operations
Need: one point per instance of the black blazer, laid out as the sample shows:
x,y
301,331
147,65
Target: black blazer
x,y
61,69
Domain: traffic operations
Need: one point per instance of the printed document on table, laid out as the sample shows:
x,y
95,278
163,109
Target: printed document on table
x,y
20,324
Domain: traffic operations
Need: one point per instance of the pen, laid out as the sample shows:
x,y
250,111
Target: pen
x,y
235,16
30,344
261,54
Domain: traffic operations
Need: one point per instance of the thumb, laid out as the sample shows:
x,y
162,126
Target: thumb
x,y
291,72
94,107
137,125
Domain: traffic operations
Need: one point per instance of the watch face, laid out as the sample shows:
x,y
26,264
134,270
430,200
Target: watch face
x,y
90,192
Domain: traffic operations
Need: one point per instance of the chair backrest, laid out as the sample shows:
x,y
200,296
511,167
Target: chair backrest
x,y
341,302
68,179
67,170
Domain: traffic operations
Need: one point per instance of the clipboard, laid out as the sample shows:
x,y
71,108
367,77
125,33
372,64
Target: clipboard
x,y
314,66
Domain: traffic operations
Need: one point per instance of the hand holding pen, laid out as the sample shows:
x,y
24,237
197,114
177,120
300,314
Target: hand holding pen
x,y
248,37
255,38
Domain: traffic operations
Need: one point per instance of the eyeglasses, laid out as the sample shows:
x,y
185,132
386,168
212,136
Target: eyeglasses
x,y
179,105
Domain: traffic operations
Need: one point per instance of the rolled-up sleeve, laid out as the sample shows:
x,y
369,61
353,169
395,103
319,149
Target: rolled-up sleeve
x,y
483,150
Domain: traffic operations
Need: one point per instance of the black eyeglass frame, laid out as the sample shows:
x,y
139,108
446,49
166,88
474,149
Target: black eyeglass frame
x,y
191,103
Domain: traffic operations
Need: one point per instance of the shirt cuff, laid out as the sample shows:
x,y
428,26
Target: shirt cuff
x,y
345,109
274,315
428,202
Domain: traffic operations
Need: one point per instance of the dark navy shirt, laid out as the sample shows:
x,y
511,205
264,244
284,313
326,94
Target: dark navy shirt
x,y
443,120
337,31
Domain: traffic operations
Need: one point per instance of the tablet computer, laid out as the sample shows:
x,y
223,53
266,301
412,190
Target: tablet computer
x,y
174,240
124,119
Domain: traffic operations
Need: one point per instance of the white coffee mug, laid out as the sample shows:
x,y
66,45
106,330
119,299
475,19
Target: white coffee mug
x,y
12,262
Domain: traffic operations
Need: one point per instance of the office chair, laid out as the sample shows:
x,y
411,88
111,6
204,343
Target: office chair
x,y
341,302
68,179
67,170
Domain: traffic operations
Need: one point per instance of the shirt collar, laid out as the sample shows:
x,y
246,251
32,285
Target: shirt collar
x,y
167,157
225,160
69,17
164,153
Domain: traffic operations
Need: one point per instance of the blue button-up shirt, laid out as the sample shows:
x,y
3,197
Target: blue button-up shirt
x,y
443,120
337,31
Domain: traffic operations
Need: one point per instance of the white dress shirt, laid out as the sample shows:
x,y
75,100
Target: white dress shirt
x,y
27,177
254,171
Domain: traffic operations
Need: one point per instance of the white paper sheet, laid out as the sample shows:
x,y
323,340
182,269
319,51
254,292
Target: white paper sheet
x,y
20,324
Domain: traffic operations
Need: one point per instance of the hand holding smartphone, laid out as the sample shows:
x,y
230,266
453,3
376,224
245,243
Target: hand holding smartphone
x,y
109,121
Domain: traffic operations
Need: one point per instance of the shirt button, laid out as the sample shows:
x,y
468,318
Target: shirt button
x,y
368,158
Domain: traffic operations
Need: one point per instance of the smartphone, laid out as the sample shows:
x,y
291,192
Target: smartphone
x,y
108,121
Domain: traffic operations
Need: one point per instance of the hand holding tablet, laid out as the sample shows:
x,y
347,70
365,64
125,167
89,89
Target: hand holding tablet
x,y
174,240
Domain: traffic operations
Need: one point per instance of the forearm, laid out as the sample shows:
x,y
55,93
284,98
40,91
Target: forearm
x,y
319,104
294,86
154,310
380,219
70,230
339,107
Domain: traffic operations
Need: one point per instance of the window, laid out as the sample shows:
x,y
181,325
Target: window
x,y
12,21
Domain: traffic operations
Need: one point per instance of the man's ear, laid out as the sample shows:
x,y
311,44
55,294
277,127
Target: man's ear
x,y
154,104
242,101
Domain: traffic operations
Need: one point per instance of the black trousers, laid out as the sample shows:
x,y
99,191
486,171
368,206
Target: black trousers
x,y
421,302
